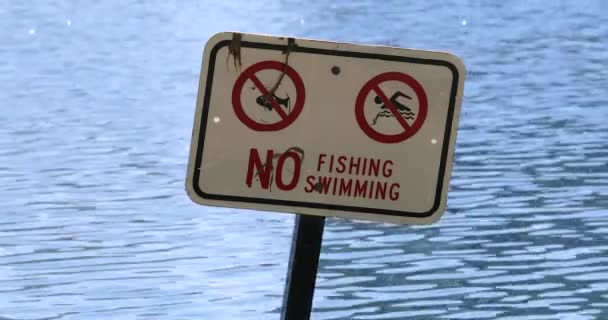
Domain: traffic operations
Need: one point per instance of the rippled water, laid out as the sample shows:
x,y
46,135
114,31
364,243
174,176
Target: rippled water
x,y
97,104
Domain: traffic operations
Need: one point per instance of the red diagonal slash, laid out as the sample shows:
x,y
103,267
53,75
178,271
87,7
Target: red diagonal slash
x,y
270,97
391,107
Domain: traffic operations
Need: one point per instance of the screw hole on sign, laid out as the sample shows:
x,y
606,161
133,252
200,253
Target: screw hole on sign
x,y
373,86
286,118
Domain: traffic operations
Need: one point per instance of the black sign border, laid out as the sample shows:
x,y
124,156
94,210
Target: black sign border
x,y
312,205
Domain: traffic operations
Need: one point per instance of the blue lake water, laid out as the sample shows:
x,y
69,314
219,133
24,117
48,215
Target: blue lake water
x,y
97,102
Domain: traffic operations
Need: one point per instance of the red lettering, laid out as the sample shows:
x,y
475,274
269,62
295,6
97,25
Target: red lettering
x,y
354,164
394,194
342,164
325,182
381,189
374,167
297,163
310,187
387,171
335,184
261,171
345,188
321,161
360,188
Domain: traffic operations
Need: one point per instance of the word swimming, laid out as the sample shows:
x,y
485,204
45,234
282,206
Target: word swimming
x,y
349,187
355,188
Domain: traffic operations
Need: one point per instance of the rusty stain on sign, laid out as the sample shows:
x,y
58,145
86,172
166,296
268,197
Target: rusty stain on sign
x,y
234,49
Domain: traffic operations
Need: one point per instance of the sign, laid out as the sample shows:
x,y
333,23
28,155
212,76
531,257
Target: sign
x,y
323,128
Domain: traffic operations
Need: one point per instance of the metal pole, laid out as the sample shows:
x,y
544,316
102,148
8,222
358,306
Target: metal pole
x,y
303,265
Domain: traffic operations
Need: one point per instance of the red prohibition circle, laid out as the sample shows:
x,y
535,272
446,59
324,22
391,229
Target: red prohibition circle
x,y
249,74
373,85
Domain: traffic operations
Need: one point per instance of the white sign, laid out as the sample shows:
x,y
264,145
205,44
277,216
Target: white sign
x,y
325,128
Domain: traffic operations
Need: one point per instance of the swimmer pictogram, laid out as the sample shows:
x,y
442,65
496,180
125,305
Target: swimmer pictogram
x,y
393,107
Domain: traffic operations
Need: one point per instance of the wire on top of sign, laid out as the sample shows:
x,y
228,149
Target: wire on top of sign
x,y
234,50
291,43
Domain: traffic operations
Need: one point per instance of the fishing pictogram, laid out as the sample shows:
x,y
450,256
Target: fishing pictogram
x,y
269,100
264,101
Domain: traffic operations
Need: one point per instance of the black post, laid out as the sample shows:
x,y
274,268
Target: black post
x,y
303,265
